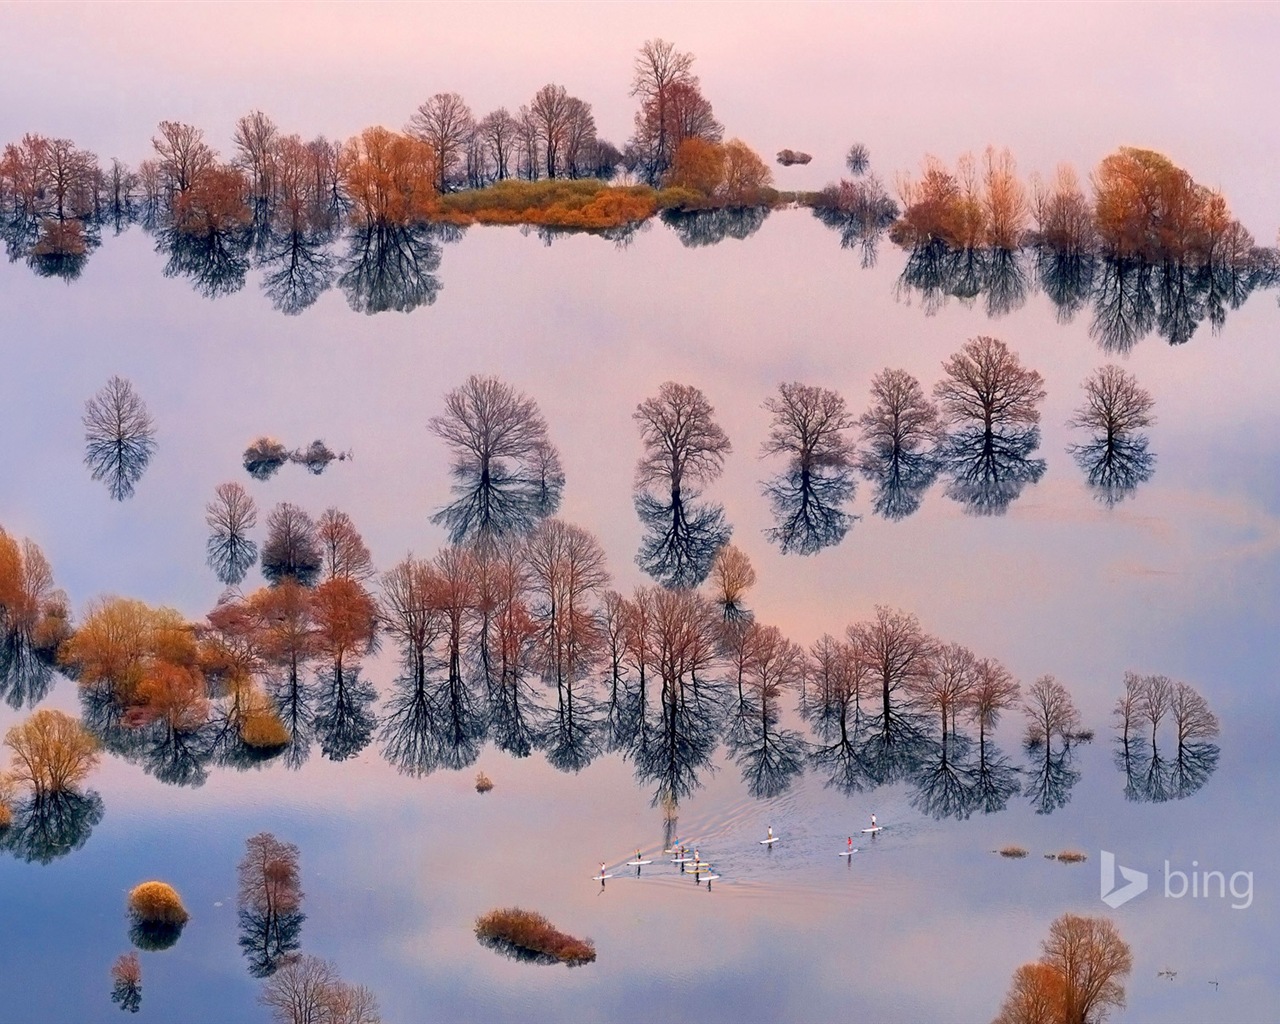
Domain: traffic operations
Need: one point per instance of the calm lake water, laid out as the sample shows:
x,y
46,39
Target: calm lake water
x,y
925,923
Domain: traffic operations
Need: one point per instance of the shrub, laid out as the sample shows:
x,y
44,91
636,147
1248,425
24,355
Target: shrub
x,y
1072,856
1012,851
260,726
157,903
483,783
531,932
787,157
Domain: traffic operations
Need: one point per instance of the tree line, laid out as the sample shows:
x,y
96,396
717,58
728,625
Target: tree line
x,y
1150,249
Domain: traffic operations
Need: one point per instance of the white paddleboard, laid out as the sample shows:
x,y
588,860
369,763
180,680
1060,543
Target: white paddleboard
x,y
681,860
878,828
848,853
709,878
600,878
638,863
766,842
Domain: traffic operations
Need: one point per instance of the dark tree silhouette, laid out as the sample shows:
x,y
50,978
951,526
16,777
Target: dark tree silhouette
x,y
697,228
810,429
1115,459
292,549
119,437
682,448
900,434
898,654
230,517
47,828
858,159
264,457
508,474
990,401
126,983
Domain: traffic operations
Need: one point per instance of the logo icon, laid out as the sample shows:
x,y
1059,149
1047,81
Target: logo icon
x,y
1136,882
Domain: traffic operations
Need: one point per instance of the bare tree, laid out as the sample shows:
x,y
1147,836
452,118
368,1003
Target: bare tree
x,y
256,137
444,122
683,447
948,684
1093,961
732,575
1115,411
900,432
292,550
990,402
995,691
264,456
269,898
342,549
1050,712
508,473
810,429
183,154
897,651
119,437
985,383
659,70
230,517
858,159
1192,718
308,990
497,131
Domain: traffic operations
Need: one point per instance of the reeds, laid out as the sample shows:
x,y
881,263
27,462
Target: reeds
x,y
1012,851
483,783
1072,856
531,932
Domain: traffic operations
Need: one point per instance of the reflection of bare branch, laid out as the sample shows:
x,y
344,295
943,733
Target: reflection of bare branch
x,y
119,437
230,517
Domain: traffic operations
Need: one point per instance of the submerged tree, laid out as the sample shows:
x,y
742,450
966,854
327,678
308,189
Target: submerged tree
x,y
292,550
264,457
683,447
810,428
897,652
900,435
269,898
308,990
126,983
672,108
119,437
508,474
1116,410
34,622
732,575
230,517
990,401
1079,977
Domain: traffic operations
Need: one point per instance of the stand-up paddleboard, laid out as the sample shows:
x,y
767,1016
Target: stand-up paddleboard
x,y
878,828
773,839
710,878
681,860
638,863
702,865
601,878
848,853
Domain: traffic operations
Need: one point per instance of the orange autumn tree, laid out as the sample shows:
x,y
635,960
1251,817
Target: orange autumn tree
x,y
389,177
1146,207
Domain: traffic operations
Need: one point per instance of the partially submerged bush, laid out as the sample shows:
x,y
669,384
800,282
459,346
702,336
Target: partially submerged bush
x,y
787,157
1012,851
483,783
264,457
517,930
126,982
1072,856
157,914
260,726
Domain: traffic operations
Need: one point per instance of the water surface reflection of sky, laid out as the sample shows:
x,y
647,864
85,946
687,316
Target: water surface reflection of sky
x,y
1181,578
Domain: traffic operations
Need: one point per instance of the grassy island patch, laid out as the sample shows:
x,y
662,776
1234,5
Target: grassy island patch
x,y
529,935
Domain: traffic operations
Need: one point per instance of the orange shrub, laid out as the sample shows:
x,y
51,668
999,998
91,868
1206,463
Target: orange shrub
x,y
157,903
530,931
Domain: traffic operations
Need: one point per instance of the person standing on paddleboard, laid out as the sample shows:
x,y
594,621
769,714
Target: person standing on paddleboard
x,y
849,845
873,822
